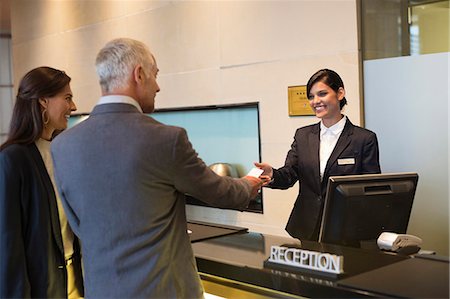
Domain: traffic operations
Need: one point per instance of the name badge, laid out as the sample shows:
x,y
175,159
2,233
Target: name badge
x,y
347,161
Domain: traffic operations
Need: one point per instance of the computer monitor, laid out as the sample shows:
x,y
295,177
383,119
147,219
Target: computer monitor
x,y
358,208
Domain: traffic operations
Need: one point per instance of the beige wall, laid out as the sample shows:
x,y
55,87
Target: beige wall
x,y
208,52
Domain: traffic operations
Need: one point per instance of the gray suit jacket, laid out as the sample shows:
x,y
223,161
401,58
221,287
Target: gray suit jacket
x,y
122,177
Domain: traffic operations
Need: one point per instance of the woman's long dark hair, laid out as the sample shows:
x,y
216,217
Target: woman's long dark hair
x,y
26,123
330,78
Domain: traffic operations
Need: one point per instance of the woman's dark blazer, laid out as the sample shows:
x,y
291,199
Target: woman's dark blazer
x,y
302,164
31,250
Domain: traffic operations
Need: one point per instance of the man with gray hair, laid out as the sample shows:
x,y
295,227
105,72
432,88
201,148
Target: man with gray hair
x,y
122,177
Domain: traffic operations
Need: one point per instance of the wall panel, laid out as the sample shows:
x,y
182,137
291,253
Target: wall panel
x,y
208,52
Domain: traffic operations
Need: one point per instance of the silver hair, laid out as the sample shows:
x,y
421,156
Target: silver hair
x,y
117,59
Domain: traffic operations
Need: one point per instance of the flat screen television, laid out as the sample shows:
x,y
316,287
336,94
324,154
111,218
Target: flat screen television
x,y
358,208
219,133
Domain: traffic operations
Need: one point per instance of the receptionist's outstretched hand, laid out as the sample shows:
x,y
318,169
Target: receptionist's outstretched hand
x,y
267,175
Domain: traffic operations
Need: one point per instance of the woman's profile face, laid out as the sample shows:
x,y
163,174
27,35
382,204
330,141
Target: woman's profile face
x,y
325,102
59,108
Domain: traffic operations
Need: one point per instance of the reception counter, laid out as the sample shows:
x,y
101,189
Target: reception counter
x,y
237,260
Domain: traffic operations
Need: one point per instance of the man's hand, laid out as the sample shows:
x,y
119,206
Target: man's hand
x,y
256,184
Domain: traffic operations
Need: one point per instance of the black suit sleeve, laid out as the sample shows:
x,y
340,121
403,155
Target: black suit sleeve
x,y
370,157
14,281
286,176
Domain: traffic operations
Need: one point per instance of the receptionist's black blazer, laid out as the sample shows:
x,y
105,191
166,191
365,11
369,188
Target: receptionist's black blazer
x,y
302,164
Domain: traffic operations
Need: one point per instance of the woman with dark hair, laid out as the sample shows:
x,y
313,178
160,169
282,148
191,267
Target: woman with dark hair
x,y
334,146
36,243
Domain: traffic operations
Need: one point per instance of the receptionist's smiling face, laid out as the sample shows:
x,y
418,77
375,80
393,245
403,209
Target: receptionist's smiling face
x,y
325,102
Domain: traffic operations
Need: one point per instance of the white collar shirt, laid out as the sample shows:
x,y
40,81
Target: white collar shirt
x,y
328,139
119,99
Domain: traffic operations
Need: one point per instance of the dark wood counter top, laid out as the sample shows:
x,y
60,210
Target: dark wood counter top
x,y
240,257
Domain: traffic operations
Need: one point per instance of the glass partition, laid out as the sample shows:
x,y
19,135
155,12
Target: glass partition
x,y
392,28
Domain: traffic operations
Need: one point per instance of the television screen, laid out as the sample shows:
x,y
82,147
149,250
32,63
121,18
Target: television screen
x,y
358,208
227,134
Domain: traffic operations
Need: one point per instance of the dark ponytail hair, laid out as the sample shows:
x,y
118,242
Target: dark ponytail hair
x,y
26,122
330,78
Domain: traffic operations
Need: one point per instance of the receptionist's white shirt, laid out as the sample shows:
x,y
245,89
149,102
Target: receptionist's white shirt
x,y
328,139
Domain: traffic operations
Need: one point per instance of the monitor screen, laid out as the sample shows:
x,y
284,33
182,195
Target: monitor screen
x,y
358,208
219,133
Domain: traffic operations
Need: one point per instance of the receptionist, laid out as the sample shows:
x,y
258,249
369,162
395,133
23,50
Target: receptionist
x,y
334,146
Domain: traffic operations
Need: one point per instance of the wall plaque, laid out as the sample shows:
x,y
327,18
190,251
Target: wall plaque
x,y
298,101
